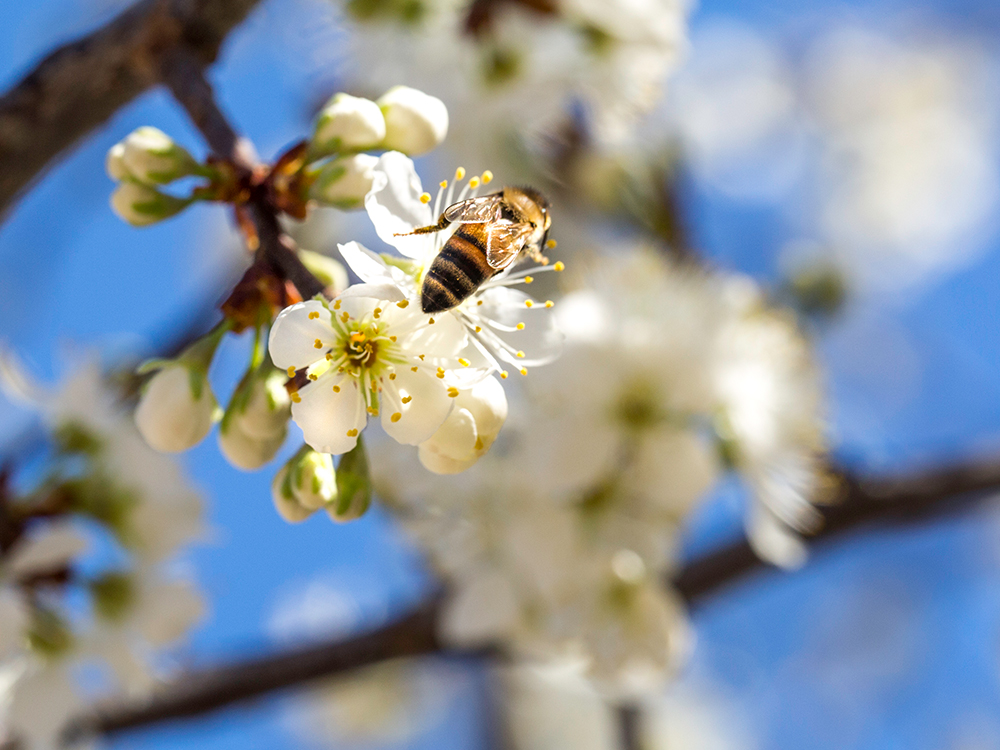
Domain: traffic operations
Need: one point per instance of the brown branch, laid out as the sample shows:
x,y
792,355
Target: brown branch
x,y
629,717
906,498
80,85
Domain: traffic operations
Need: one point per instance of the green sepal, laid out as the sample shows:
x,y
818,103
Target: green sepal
x,y
354,486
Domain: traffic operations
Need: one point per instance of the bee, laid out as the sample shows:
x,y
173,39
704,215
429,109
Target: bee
x,y
493,230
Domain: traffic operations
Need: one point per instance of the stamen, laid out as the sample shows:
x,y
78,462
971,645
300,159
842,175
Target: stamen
x,y
430,322
377,312
373,411
504,374
440,373
524,370
460,173
520,354
406,399
313,315
528,279
313,376
551,244
329,356
479,444
473,183
487,177
296,398
479,329
550,303
528,303
344,317
479,302
559,266
443,184
392,339
392,376
403,304
396,417
425,198
453,392
336,305
290,371
414,368
352,433
318,344
336,389
356,338
464,362
421,357
520,326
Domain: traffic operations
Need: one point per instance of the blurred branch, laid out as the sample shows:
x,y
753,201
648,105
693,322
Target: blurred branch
x,y
80,85
184,75
910,497
906,498
629,719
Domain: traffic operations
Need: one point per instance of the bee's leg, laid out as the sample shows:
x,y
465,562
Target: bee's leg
x,y
430,229
535,253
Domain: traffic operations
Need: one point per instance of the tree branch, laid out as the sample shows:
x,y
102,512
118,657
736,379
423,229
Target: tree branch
x,y
629,717
80,85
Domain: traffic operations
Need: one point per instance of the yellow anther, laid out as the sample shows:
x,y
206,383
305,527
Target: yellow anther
x,y
443,184
528,279
520,326
550,244
414,368
474,182
290,371
373,411
524,370
464,362
296,398
440,373
344,317
479,302
336,305
528,303
421,357
521,355
336,389
356,337
392,376
313,315
403,304
377,311
549,303
313,376
478,329
460,173
431,321
479,444
487,177
453,392
392,339
318,344
503,374
406,399
425,197
352,433
396,417
329,356
559,266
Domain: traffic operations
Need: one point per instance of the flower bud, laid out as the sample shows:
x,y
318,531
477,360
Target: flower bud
x,y
177,408
415,122
114,163
141,205
285,502
469,431
348,123
305,484
254,426
354,486
345,182
150,155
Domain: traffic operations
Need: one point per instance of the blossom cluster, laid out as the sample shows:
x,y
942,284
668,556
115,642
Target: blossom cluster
x,y
104,488
561,543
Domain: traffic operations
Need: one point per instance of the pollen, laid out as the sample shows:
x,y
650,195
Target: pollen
x,y
421,357
479,329
464,362
396,417
453,392
336,305
356,338
425,197
528,279
392,376
352,433
523,370
440,373
403,304
414,368
313,315
376,312
430,322
313,376
318,344
474,182
479,302
290,371
329,356
460,173
559,266
344,317
392,339
406,399
487,177
296,398
336,389
520,326
504,374
549,303
528,303
520,355
550,244
443,184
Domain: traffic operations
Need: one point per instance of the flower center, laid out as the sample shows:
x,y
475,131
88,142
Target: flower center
x,y
361,350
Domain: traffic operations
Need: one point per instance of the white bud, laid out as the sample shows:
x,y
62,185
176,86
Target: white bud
x,y
285,502
254,426
177,408
469,431
246,452
114,163
314,480
150,155
345,182
415,122
348,123
141,205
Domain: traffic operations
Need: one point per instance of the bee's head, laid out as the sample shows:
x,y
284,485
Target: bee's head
x,y
531,204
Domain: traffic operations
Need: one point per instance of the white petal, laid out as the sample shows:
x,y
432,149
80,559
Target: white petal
x,y
394,205
443,340
168,610
541,340
423,415
369,267
245,451
294,333
50,549
773,541
481,610
326,416
383,292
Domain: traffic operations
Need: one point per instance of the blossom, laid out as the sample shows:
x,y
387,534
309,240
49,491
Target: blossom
x,y
369,353
150,156
469,430
345,182
415,122
141,205
254,426
348,123
505,325
177,409
305,484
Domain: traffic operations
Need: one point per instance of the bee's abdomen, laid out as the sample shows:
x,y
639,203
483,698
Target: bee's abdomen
x,y
457,271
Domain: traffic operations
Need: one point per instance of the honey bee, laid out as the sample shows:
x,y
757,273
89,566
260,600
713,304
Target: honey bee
x,y
493,230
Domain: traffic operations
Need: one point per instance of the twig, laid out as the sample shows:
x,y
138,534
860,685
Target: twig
x,y
80,85
629,718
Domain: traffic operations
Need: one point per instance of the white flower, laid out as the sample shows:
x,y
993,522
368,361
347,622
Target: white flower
x,y
505,325
15,617
149,155
348,123
41,699
254,426
415,122
44,550
141,205
177,409
469,430
345,182
369,353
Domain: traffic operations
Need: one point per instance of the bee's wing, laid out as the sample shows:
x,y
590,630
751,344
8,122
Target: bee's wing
x,y
474,210
504,241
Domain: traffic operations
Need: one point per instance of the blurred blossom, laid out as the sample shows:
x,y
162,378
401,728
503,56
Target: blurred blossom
x,y
687,717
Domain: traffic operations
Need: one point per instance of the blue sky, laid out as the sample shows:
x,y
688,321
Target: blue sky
x,y
884,640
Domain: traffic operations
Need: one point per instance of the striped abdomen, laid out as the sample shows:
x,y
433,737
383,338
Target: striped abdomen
x,y
457,271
